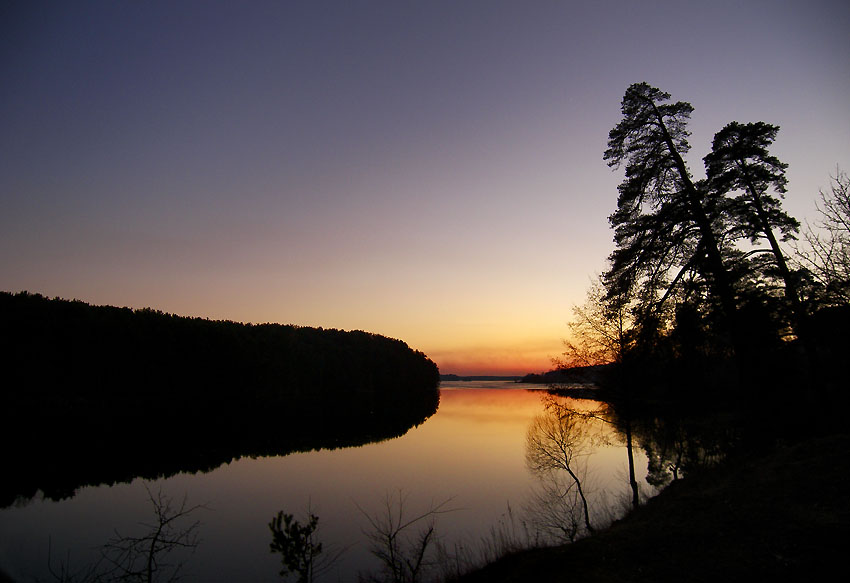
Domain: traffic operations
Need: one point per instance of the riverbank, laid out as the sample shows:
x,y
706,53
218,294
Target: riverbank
x,y
783,516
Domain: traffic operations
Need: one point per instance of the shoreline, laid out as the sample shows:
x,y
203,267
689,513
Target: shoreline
x,y
781,515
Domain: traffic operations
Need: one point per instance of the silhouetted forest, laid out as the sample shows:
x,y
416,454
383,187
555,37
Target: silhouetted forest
x,y
718,338
703,306
706,337
591,374
96,394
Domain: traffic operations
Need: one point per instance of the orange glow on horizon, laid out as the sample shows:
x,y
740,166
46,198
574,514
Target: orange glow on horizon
x,y
494,362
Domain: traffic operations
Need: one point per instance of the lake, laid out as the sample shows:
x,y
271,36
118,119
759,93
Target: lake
x,y
471,455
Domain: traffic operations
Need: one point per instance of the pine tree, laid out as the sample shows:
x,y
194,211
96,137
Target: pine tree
x,y
740,163
666,224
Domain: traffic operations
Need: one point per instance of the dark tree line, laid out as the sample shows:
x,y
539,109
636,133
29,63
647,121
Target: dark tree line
x,y
98,394
679,239
704,317
699,280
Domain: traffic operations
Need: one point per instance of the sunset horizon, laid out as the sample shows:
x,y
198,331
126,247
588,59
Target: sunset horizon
x,y
516,361
429,172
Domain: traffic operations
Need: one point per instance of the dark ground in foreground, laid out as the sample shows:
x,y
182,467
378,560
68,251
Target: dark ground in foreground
x,y
778,517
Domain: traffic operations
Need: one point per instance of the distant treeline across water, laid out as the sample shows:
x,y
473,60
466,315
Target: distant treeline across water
x,y
143,393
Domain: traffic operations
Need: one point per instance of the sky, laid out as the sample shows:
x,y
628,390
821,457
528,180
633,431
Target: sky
x,y
429,171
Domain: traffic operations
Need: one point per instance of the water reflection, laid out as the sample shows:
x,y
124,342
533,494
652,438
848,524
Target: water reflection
x,y
472,451
679,444
98,453
559,441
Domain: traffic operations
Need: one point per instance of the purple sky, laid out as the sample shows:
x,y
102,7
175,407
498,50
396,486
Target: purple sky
x,y
431,171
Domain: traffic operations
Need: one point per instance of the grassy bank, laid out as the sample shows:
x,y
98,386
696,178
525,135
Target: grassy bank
x,y
783,516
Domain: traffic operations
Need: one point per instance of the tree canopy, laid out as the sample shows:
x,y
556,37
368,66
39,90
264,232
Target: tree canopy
x,y
699,280
666,225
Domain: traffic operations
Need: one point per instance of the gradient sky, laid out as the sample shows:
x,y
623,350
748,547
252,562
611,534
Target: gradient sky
x,y
431,171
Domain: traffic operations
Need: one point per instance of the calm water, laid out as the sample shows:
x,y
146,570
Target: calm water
x,y
472,451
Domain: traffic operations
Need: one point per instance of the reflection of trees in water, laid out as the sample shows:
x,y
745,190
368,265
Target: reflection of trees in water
x,y
554,508
559,442
675,442
675,446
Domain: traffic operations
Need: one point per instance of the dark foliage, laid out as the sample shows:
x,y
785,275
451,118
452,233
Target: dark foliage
x,y
664,222
296,544
577,375
102,394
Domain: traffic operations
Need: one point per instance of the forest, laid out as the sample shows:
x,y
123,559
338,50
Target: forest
x,y
713,293
99,394
717,340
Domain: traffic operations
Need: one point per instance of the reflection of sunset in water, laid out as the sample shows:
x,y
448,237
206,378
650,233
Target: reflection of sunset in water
x,y
472,451
489,405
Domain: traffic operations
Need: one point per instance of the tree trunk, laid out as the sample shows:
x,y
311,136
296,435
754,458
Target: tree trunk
x,y
721,285
632,479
